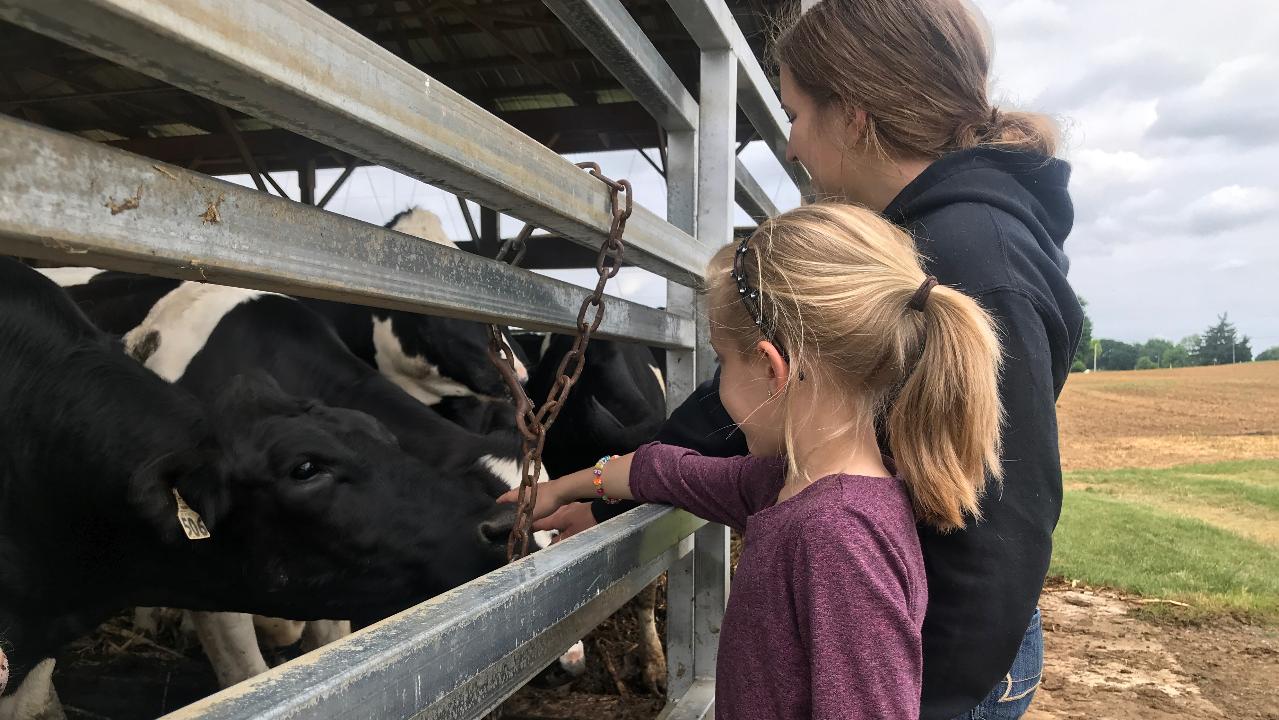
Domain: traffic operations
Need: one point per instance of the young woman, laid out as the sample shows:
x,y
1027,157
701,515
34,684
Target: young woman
x,y
889,109
825,324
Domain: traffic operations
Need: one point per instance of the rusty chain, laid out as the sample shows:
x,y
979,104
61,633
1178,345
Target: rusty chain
x,y
534,423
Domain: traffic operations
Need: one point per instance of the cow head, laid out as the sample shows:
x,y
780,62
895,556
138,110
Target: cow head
x,y
315,511
458,352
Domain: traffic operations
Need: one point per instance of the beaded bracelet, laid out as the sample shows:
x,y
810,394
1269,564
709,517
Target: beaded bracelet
x,y
599,479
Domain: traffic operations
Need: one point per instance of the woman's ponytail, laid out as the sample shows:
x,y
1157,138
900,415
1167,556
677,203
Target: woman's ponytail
x,y
944,422
1011,130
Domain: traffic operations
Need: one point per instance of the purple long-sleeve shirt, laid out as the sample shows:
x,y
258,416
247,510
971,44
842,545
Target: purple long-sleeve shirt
x,y
824,616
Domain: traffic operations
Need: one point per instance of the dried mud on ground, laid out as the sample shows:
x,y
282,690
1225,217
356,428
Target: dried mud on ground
x,y
1103,660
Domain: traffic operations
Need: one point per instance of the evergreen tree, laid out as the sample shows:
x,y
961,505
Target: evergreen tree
x,y
1220,344
1243,350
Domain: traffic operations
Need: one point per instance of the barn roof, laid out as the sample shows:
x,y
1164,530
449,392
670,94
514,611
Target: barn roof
x,y
514,58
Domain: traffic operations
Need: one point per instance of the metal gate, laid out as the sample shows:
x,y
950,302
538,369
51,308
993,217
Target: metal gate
x,y
286,62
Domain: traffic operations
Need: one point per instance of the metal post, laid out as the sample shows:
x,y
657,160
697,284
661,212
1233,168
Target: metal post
x,y
306,182
712,27
681,379
229,126
607,28
490,237
715,169
470,221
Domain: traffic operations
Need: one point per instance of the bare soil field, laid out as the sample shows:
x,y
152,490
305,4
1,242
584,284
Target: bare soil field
x,y
1162,418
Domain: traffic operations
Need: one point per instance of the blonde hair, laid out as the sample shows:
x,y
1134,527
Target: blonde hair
x,y
919,70
835,283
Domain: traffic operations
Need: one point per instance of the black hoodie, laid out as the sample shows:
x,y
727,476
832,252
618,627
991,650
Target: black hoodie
x,y
991,223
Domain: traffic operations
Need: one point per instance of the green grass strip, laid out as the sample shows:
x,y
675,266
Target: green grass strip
x,y
1254,483
1120,543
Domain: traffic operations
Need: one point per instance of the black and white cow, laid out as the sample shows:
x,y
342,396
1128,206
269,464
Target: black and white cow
x,y
313,510
198,335
617,404
443,362
283,335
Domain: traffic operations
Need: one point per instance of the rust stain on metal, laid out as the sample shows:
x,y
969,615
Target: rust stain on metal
x,y
211,214
164,172
129,203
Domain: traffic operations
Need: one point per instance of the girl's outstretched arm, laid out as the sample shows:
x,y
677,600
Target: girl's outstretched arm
x,y
723,490
580,485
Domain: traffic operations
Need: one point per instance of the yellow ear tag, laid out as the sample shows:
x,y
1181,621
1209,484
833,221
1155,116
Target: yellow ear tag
x,y
190,520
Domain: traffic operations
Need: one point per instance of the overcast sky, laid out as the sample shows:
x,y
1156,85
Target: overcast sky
x,y
1172,124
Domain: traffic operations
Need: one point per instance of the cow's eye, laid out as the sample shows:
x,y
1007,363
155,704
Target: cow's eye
x,y
305,471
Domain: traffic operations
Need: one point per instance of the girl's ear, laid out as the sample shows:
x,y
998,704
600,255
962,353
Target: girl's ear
x,y
777,367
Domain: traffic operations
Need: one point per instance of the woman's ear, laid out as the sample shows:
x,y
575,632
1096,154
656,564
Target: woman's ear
x,y
776,365
855,121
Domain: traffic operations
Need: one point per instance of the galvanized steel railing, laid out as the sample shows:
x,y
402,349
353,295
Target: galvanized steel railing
x,y
287,62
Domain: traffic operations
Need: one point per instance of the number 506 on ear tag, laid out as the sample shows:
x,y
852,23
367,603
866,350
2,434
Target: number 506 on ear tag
x,y
190,520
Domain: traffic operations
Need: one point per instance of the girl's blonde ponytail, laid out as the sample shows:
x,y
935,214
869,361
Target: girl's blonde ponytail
x,y
943,424
836,285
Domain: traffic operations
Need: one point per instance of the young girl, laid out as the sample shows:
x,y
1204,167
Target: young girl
x,y
826,326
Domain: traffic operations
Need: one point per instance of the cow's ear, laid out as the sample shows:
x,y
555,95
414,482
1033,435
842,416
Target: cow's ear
x,y
181,494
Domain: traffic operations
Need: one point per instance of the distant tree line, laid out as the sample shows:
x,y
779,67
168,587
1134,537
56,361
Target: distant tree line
x,y
1220,344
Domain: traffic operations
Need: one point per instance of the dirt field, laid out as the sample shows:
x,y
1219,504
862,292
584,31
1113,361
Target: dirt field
x,y
1161,418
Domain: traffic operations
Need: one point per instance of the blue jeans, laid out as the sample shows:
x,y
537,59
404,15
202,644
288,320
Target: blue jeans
x,y
1011,697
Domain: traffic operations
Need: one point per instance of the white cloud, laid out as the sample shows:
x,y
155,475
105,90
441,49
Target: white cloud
x,y
1029,16
1092,165
1235,102
1232,207
1229,264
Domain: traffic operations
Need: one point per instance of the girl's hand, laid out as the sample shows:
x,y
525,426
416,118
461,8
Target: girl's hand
x,y
548,499
569,520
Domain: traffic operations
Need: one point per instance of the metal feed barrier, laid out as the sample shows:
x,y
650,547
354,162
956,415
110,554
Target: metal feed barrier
x,y
288,63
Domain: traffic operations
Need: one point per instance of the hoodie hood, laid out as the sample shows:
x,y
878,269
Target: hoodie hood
x,y
1027,186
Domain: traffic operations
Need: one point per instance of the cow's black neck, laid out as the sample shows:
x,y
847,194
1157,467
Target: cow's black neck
x,y
72,549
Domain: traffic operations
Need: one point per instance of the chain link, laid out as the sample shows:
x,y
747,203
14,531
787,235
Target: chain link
x,y
534,423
